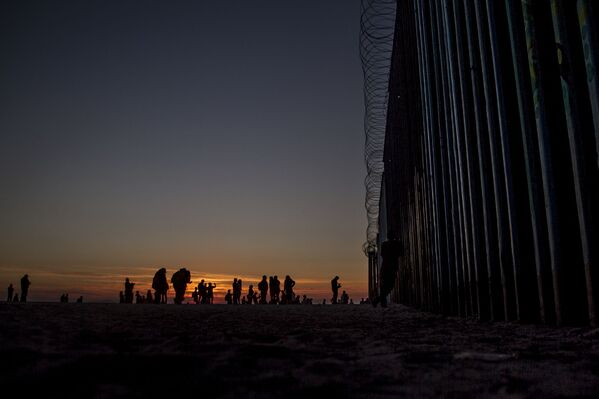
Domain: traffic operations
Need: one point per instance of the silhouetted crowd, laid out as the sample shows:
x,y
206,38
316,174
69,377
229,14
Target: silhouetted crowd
x,y
267,291
204,293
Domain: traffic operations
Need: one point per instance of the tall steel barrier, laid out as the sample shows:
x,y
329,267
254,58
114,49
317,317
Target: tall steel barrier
x,y
491,167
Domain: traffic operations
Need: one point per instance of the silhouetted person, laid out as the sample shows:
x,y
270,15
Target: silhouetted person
x,y
80,299
391,250
271,289
138,298
11,291
121,297
25,283
180,279
160,286
149,298
129,291
263,288
288,285
194,295
229,298
275,288
324,301
16,297
66,298
251,295
344,298
236,292
335,288
237,288
210,293
202,292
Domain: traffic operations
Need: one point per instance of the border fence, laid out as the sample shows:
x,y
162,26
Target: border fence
x,y
490,158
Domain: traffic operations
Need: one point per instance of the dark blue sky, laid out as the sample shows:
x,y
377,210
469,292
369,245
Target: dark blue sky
x,y
225,136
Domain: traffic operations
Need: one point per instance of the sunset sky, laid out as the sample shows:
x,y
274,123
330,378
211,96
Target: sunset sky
x,y
222,136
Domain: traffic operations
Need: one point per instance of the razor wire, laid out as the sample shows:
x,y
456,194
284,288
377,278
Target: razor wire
x,y
377,27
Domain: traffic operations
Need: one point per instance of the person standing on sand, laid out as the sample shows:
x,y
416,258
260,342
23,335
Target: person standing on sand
x,y
335,288
11,291
288,285
180,280
263,288
237,288
25,283
160,286
128,291
344,298
229,298
251,297
276,289
235,292
391,250
202,292
210,293
271,288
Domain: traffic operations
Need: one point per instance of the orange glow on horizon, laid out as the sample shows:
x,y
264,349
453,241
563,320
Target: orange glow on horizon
x,y
104,287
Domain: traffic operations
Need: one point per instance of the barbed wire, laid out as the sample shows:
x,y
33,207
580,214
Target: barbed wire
x,y
377,27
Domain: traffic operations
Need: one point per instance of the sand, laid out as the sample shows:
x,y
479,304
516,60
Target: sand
x,y
298,351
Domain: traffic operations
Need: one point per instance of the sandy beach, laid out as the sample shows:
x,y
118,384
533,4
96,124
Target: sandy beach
x,y
111,350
